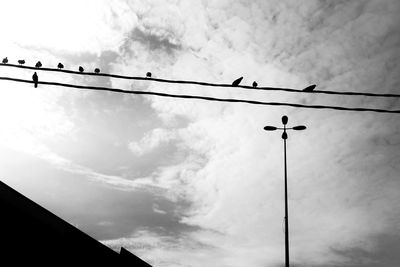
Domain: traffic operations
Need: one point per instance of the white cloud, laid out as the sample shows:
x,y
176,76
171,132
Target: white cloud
x,y
70,26
342,171
152,140
192,249
237,188
156,209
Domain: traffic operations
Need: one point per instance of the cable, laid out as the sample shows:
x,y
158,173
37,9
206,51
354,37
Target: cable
x,y
202,83
254,102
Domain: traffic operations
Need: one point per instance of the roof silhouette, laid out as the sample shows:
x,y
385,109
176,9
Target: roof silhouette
x,y
33,236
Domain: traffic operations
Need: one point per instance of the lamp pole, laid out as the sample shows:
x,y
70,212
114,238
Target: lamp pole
x,y
285,137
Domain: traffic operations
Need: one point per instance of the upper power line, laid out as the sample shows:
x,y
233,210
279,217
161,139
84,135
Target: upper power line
x,y
148,77
253,102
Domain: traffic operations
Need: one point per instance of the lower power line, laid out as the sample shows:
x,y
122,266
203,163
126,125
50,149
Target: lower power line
x,y
229,100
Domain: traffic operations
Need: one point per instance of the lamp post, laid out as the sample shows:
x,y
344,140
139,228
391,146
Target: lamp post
x,y
285,137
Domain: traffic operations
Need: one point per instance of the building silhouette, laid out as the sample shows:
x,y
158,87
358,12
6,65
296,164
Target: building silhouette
x,y
33,236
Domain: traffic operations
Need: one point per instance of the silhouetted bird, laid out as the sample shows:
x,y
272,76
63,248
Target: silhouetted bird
x,y
148,75
35,79
5,60
255,84
60,66
237,81
81,69
21,61
309,88
38,64
97,70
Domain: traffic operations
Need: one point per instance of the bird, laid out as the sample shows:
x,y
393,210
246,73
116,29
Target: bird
x,y
237,81
60,66
255,84
38,64
35,79
148,74
309,88
21,61
81,69
5,60
97,70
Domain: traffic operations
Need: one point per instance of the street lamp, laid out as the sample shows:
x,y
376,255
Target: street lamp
x,y
285,137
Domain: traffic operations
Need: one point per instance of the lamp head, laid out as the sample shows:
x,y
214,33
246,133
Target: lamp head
x,y
284,120
299,127
270,128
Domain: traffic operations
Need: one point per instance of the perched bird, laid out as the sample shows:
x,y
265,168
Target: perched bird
x,y
255,84
237,81
21,61
5,60
97,70
81,69
38,64
60,66
35,79
148,74
309,88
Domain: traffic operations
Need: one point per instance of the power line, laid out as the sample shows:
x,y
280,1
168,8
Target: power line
x,y
253,102
203,83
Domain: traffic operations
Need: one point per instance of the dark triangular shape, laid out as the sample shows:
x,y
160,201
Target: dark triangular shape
x,y
33,236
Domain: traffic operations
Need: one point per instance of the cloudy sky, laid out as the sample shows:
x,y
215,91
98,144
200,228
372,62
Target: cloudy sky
x,y
195,183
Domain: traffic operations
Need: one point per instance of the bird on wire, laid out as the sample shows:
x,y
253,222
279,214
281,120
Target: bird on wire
x,y
148,74
255,84
237,81
96,70
21,62
35,79
38,64
81,69
60,66
5,60
309,88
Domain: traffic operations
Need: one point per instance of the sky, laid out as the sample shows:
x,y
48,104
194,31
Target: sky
x,y
183,182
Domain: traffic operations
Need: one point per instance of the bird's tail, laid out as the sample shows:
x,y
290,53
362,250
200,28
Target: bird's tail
x,y
35,85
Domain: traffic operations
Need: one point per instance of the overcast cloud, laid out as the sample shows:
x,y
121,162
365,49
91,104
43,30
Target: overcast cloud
x,y
196,183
